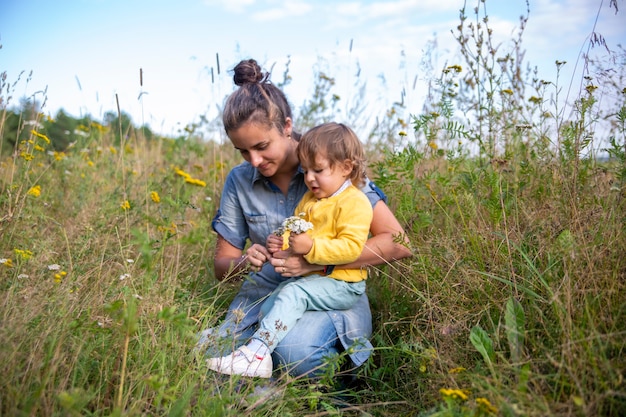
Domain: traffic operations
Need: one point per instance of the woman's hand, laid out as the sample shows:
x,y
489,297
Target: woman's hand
x,y
287,264
257,255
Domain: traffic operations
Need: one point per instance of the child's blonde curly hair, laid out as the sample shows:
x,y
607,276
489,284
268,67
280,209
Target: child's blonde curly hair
x,y
338,143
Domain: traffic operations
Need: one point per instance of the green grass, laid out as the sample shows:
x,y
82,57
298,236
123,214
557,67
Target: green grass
x,y
512,304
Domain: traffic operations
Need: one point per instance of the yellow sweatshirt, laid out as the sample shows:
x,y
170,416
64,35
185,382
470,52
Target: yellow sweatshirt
x,y
341,225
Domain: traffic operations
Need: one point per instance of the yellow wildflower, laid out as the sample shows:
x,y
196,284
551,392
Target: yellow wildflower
x,y
188,178
591,88
402,133
454,393
182,173
535,100
456,370
58,277
507,91
23,254
38,148
433,145
40,135
485,405
155,197
6,262
168,229
455,68
98,127
59,155
125,205
112,150
27,156
195,181
90,163
35,191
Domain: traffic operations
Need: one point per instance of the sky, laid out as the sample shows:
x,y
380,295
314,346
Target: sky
x,y
84,56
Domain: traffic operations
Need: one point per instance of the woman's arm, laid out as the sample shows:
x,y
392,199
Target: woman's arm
x,y
388,242
230,260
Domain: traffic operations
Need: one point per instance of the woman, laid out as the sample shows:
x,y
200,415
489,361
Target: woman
x,y
257,196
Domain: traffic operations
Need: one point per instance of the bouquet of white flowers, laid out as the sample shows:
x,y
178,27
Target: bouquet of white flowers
x,y
293,224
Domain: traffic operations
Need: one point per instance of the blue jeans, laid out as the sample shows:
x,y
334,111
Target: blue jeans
x,y
286,305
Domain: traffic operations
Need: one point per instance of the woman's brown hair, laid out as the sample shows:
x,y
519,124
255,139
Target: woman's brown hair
x,y
256,100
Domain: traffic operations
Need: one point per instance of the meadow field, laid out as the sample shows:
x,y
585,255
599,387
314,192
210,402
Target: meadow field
x,y
513,303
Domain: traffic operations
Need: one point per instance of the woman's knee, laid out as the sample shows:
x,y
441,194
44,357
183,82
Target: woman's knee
x,y
300,360
305,349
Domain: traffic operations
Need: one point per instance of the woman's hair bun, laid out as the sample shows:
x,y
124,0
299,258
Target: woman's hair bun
x,y
249,72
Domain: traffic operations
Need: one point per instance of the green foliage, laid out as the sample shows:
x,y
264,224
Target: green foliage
x,y
515,321
483,344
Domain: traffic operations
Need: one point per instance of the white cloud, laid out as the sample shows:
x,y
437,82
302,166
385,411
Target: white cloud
x,y
403,7
384,9
286,10
236,6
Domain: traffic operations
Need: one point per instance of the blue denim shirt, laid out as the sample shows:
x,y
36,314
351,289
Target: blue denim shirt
x,y
250,209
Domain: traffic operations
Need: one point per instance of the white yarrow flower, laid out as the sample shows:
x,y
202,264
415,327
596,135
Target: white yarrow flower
x,y
294,224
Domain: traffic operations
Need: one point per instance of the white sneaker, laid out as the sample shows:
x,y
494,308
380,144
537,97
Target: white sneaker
x,y
244,362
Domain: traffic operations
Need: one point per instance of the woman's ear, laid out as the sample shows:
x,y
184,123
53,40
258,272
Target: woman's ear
x,y
288,127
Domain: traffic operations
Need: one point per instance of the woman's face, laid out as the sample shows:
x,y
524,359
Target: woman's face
x,y
265,149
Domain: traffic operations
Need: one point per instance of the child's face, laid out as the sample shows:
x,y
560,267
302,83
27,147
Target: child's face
x,y
322,179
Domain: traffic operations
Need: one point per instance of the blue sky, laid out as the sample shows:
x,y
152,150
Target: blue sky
x,y
84,52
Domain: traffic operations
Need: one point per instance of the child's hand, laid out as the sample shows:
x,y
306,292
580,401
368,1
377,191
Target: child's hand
x,y
274,243
300,244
